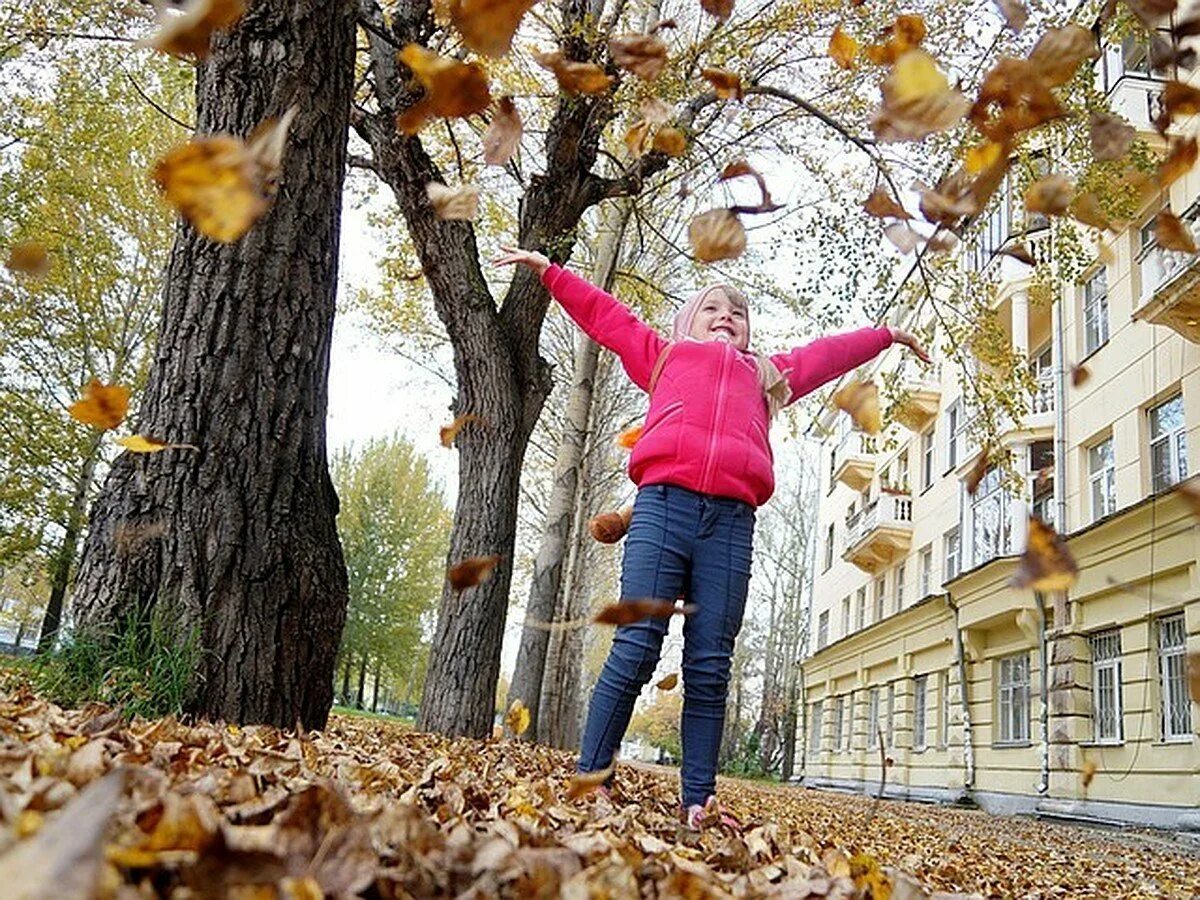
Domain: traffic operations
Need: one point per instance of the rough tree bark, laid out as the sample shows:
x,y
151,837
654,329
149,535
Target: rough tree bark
x,y
237,539
546,584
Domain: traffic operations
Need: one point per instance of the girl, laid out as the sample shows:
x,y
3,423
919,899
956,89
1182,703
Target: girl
x,y
703,464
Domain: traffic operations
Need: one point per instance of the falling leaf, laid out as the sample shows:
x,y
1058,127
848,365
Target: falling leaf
x,y
472,572
983,156
670,141
28,258
517,718
655,111
1047,564
488,26
1193,668
448,433
860,400
1079,375
608,528
1171,234
143,443
1111,136
881,205
1050,195
644,55
504,132
211,181
1087,772
917,100
906,33
721,9
453,89
902,237
103,406
1014,12
637,139
583,783
1181,157
836,863
1086,209
668,683
728,85
717,234
979,468
843,49
1180,99
739,168
1020,253
460,202
627,438
629,611
1059,52
188,32
574,77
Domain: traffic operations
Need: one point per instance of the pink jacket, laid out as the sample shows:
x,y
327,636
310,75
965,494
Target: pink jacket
x,y
707,429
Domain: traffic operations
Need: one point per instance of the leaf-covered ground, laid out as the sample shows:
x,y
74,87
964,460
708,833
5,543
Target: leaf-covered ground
x,y
94,807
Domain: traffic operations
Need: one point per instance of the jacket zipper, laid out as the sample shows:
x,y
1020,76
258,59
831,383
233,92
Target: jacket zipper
x,y
709,456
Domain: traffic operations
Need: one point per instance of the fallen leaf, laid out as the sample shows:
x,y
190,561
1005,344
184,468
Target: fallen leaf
x,y
608,528
1050,195
504,132
881,205
629,611
488,26
188,31
905,33
453,89
517,718
739,168
917,100
1047,564
860,400
1111,136
717,234
644,55
583,783
1087,771
627,438
143,443
574,77
448,433
28,258
843,49
670,141
1014,12
103,406
721,9
668,683
1079,375
472,572
726,84
461,203
1172,234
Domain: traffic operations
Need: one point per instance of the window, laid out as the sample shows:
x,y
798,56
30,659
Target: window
x,y
1102,478
1106,687
1041,464
927,459
880,590
839,716
902,470
1014,699
1172,663
1042,364
953,553
848,739
926,571
828,547
992,534
860,612
1168,444
920,684
890,726
822,629
953,417
1095,312
833,464
943,737
873,718
814,729
900,587
845,615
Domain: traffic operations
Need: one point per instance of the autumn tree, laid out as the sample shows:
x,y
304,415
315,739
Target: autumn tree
x,y
657,723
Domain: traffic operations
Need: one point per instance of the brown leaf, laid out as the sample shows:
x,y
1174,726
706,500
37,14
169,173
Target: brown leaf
x,y
860,400
717,234
103,406
728,85
608,528
574,77
1050,195
504,132
488,26
28,258
739,168
1181,157
668,682
1014,12
1111,136
472,572
1172,234
843,49
460,203
670,141
1059,52
517,718
917,100
1079,375
1086,208
655,111
86,763
902,236
721,9
1193,669
1020,253
1087,771
448,433
629,611
644,55
188,32
979,468
1180,99
453,89
583,783
637,138
881,205
1047,564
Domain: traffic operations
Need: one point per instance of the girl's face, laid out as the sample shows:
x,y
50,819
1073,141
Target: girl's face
x,y
721,318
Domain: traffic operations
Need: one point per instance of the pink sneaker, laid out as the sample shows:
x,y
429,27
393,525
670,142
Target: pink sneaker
x,y
698,817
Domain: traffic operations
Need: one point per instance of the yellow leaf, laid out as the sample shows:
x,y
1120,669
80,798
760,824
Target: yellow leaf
x,y
453,89
1087,771
860,400
717,234
670,141
460,202
583,783
574,77
518,718
983,157
188,32
917,100
488,26
503,135
843,49
627,438
103,405
28,258
213,183
141,443
1047,564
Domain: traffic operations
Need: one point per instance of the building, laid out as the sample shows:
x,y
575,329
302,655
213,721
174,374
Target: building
x,y
924,662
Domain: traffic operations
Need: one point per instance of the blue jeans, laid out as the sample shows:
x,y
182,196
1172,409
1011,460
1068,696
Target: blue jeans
x,y
698,546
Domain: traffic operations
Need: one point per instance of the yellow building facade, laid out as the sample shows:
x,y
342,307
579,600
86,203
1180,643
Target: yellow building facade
x,y
925,668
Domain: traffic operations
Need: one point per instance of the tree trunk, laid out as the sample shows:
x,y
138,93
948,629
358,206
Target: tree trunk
x,y
362,682
65,558
238,537
375,688
345,696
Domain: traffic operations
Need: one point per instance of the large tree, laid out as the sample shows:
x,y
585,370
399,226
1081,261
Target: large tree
x,y
238,537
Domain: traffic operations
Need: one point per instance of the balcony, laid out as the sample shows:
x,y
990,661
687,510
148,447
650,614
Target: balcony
x,y
855,461
918,405
1170,293
880,533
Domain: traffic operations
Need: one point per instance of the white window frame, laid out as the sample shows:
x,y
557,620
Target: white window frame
x,y
1175,440
902,473
900,573
1012,699
1102,479
845,615
873,718
1095,311
1108,726
839,720
952,546
890,725
928,442
954,416
823,629
860,611
920,701
849,721
926,570
880,597
990,496
943,736
814,727
1175,722
829,541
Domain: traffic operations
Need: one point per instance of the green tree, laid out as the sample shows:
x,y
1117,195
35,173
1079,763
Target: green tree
x,y
395,528
658,723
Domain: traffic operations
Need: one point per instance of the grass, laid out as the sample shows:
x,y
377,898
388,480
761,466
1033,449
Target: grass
x,y
367,714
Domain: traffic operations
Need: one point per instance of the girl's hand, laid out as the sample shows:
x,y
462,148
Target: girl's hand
x,y
531,258
900,336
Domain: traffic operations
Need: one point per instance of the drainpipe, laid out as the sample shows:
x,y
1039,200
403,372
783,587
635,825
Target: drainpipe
x,y
960,657
1044,658
1060,508
809,579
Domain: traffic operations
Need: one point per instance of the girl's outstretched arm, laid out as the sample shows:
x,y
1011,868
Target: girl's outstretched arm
x,y
807,368
605,319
